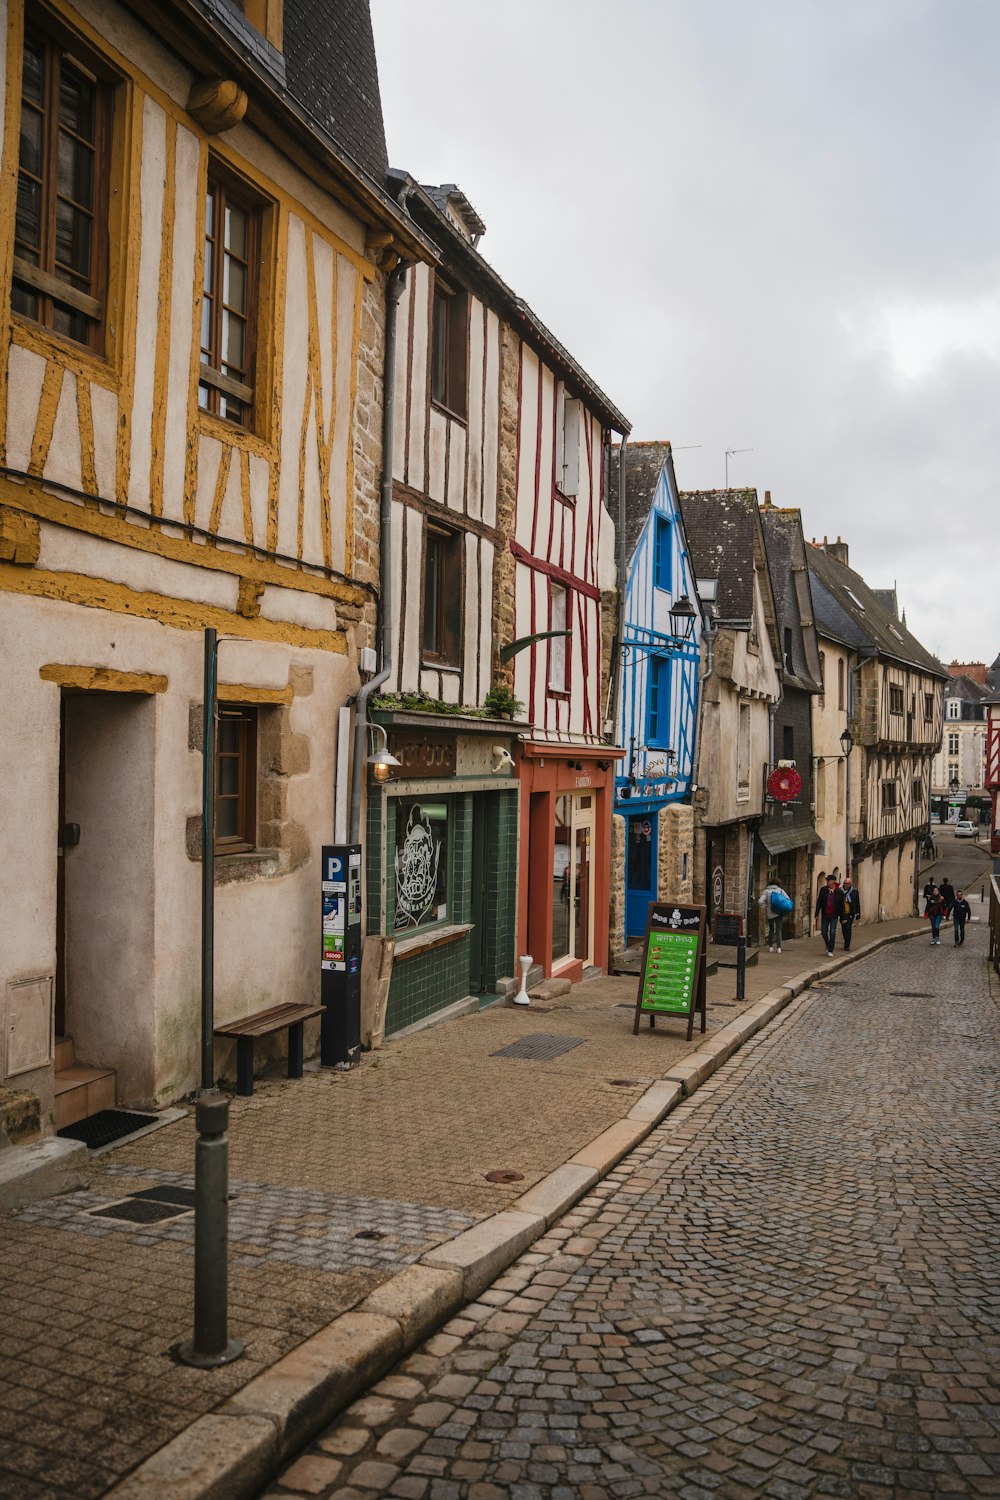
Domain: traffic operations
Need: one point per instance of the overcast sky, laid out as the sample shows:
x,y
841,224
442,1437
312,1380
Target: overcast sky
x,y
766,224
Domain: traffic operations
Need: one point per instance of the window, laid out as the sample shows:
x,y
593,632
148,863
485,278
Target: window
x,y
229,303
787,646
442,641
568,434
840,682
450,349
841,785
954,708
663,554
60,235
918,792
236,780
928,708
421,864
895,699
953,742
743,754
788,742
952,771
890,796
822,674
658,715
558,655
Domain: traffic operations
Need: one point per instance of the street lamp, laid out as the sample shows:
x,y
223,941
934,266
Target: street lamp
x,y
382,762
682,618
847,744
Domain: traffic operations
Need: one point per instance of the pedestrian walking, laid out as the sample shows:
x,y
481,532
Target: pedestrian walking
x,y
775,904
827,911
850,910
935,912
961,913
927,892
947,894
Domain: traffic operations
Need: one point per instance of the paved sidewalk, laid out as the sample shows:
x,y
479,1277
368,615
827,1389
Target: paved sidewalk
x,y
341,1182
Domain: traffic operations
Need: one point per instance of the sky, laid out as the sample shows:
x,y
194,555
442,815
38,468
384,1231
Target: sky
x,y
758,224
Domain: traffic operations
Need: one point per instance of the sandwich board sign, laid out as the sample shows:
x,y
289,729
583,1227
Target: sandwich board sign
x,y
672,982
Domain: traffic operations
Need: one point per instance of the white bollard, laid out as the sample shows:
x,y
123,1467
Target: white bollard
x,y
522,997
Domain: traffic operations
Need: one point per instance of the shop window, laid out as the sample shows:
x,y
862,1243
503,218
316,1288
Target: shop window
x,y
558,654
663,554
658,708
442,640
450,349
236,780
233,237
421,864
60,228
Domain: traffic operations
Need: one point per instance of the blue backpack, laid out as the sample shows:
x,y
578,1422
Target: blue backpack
x,y
781,902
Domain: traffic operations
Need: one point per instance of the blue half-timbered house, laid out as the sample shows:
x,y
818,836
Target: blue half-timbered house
x,y
658,697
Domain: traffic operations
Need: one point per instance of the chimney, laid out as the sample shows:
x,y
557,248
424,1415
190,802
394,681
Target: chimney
x,y
767,499
837,549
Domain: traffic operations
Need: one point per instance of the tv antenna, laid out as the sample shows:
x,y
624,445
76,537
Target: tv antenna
x,y
729,454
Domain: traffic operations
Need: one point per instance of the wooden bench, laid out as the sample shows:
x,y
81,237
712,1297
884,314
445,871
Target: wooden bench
x,y
266,1023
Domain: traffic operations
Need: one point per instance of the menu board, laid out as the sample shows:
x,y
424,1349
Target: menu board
x,y
673,978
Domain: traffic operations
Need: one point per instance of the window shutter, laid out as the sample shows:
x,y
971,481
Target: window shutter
x,y
572,431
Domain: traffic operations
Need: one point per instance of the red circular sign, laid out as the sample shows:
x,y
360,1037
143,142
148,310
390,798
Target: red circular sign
x,y
784,784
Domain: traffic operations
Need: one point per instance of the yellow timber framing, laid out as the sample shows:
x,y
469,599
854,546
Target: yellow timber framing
x,y
115,370
182,614
236,692
103,679
89,517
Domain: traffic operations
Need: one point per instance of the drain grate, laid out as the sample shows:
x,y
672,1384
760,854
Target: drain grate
x,y
540,1047
912,994
139,1211
371,1234
106,1126
504,1174
167,1194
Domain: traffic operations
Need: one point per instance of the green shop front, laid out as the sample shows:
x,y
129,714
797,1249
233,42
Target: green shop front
x,y
441,864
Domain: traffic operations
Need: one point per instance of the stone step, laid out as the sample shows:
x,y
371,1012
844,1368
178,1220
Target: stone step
x,y
65,1053
82,1092
548,989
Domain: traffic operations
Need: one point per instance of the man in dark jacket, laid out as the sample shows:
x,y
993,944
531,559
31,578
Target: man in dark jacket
x,y
849,903
827,912
961,912
947,891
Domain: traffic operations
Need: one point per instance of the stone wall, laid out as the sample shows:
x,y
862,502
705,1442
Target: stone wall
x,y
616,931
367,438
675,853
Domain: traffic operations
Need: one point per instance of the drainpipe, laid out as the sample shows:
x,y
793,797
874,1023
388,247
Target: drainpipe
x,y
393,291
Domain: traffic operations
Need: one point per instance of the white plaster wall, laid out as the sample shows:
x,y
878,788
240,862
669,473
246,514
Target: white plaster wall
x,y
64,550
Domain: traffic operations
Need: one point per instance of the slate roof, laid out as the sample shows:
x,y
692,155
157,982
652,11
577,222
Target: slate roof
x,y
643,467
862,621
721,526
784,544
330,69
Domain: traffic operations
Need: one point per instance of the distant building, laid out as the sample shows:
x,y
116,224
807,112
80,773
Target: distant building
x,y
959,773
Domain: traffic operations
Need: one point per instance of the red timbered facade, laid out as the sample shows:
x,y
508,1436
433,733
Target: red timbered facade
x,y
993,773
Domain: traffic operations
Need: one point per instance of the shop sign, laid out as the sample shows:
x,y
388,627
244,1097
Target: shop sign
x,y
672,983
423,753
585,781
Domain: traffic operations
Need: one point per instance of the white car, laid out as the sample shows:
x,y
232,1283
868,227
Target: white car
x,y
965,830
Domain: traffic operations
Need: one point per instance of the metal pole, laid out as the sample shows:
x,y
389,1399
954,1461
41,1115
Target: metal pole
x,y
208,864
211,1345
741,968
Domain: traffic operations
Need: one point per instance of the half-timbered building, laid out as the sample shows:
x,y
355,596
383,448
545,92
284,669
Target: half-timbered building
x,y
742,682
658,695
894,705
193,239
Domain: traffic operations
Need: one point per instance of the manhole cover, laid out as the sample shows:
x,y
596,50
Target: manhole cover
x,y
166,1194
504,1174
370,1234
106,1126
624,1083
139,1211
540,1047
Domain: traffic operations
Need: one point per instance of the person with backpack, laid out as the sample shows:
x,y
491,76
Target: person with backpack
x,y
827,912
849,910
935,913
775,904
961,913
947,894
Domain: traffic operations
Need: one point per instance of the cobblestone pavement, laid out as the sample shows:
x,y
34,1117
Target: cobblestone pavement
x,y
791,1289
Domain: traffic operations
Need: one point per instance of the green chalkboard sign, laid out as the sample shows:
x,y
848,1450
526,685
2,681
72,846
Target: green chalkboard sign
x,y
672,982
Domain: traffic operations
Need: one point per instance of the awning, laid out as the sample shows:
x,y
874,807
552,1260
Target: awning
x,y
778,838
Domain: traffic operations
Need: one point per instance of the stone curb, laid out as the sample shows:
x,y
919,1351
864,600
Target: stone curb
x,y
233,1452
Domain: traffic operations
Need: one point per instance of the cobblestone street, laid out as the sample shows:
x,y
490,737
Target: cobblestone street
x,y
790,1289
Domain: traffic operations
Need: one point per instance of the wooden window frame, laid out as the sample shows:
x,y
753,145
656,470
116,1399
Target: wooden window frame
x,y
928,708
890,795
841,675
658,703
448,365
559,689
244,841
897,700
213,381
448,649
663,553
60,47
